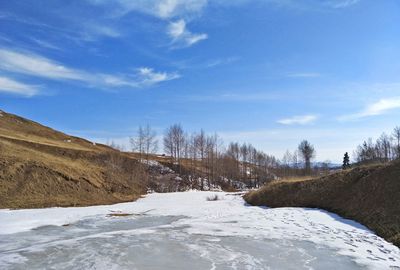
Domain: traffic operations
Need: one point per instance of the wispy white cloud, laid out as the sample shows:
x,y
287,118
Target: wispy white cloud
x,y
143,77
382,106
105,30
39,66
230,97
79,29
31,64
92,31
148,76
204,64
181,36
298,120
304,75
342,3
163,9
86,30
379,107
221,61
45,44
8,85
167,9
315,4
5,39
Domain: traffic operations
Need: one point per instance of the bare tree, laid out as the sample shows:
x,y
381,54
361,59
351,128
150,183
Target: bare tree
x,y
168,141
145,142
381,151
200,141
201,144
218,153
253,163
383,147
174,141
115,146
307,153
366,152
193,155
150,142
234,153
286,162
138,142
244,151
210,156
295,159
396,136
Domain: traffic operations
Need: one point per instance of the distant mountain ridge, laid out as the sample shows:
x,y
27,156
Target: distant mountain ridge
x,y
331,165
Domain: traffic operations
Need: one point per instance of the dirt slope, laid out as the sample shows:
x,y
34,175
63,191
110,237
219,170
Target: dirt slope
x,y
369,195
42,167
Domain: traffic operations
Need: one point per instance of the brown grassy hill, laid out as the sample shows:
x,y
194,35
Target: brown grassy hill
x,y
369,195
42,167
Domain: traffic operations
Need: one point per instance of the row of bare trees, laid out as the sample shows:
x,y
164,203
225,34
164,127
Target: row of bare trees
x,y
384,149
204,156
243,161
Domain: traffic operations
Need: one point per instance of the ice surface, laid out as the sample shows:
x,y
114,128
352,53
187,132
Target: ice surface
x,y
184,230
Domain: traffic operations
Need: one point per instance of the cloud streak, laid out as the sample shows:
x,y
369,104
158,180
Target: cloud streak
x,y
30,64
163,9
304,75
181,36
167,9
342,3
315,4
11,86
148,76
298,120
46,44
380,107
92,31
231,97
39,66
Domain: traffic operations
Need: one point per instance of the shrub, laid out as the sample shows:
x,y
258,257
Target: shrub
x,y
213,198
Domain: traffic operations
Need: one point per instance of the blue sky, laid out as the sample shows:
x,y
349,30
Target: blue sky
x,y
267,72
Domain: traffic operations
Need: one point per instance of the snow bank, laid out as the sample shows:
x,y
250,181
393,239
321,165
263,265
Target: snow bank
x,y
157,165
229,216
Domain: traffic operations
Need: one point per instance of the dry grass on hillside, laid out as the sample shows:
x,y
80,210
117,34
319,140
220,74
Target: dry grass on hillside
x,y
294,179
41,167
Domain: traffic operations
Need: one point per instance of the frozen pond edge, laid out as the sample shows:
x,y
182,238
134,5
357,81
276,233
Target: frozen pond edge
x,y
229,216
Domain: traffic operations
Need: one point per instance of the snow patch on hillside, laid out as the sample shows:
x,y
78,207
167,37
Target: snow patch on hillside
x,y
158,166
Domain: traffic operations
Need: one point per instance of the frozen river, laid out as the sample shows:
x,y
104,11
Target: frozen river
x,y
185,231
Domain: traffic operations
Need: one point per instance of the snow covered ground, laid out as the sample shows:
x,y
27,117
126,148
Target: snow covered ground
x,y
185,230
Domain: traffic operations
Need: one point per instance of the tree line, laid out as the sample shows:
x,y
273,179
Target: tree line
x,y
205,159
384,149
